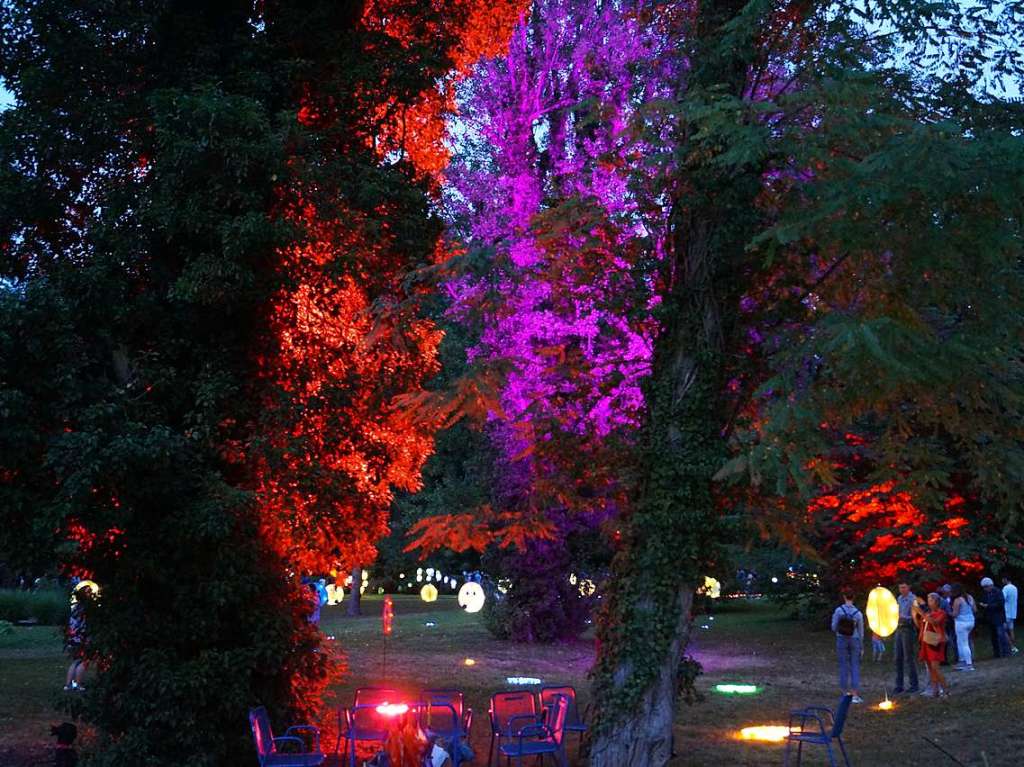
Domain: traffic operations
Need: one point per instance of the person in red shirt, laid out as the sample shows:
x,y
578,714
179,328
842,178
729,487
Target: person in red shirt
x,y
931,621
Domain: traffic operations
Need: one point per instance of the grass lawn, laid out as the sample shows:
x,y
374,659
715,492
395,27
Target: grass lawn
x,y
748,643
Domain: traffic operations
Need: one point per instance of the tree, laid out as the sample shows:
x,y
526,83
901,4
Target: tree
x,y
209,208
837,257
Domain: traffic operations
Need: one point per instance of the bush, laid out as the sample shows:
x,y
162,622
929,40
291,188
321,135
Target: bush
x,y
49,607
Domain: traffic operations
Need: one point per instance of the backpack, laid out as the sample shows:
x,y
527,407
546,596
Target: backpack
x,y
846,625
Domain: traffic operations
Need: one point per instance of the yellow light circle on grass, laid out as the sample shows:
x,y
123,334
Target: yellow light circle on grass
x,y
883,611
471,597
771,733
428,593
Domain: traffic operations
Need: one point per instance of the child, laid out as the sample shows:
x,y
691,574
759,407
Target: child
x,y
877,646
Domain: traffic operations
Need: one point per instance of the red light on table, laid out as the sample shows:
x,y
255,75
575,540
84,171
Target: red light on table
x,y
387,615
392,709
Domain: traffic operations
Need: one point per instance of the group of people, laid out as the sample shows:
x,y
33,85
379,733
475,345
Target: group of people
x,y
936,629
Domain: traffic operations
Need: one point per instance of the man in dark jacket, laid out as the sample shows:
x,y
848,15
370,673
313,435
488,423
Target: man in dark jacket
x,y
992,602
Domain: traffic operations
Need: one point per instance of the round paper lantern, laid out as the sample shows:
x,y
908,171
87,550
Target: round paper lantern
x,y
335,594
883,611
471,597
84,584
712,587
429,592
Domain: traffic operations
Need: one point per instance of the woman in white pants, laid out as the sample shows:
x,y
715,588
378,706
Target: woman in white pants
x,y
963,615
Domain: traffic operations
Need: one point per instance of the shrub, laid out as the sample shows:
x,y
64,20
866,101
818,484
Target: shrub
x,y
49,607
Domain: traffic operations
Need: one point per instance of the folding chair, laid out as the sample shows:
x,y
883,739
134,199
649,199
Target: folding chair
x,y
506,709
573,723
539,740
442,714
824,735
362,722
267,745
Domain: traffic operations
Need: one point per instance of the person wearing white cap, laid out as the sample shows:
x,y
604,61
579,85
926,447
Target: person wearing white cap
x,y
993,603
1010,607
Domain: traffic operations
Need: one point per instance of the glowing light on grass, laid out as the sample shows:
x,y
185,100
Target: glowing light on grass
x,y
886,705
765,733
469,662
736,689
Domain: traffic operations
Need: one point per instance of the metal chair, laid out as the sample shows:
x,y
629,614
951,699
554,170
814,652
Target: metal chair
x,y
267,745
442,714
539,740
824,735
573,723
505,710
362,722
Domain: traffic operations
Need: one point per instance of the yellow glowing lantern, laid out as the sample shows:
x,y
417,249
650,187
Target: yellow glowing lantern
x,y
771,733
883,611
429,592
712,587
84,584
471,597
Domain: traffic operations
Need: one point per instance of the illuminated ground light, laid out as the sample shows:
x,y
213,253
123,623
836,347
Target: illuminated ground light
x,y
522,680
736,689
469,662
886,705
765,733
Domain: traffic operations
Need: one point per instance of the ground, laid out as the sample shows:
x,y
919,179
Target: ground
x,y
979,725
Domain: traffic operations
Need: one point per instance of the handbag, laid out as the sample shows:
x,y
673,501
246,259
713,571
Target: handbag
x,y
930,636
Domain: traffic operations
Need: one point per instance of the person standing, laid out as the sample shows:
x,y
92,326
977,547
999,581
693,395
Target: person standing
x,y
905,645
963,622
933,642
995,614
848,626
948,628
1010,608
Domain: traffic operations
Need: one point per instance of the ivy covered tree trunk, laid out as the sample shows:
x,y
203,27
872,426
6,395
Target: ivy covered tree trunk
x,y
645,627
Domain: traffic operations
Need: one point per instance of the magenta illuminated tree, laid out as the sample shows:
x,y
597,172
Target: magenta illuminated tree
x,y
541,126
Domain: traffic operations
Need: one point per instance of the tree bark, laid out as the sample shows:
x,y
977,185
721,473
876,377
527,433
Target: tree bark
x,y
355,598
645,736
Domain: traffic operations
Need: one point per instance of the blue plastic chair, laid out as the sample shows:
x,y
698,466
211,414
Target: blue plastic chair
x,y
362,722
573,723
506,710
267,745
442,714
540,740
823,736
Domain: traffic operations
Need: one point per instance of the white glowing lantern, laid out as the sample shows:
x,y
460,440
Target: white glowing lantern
x,y
428,593
430,573
335,594
437,576
471,597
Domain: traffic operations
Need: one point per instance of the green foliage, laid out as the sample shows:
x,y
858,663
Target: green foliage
x,y
48,607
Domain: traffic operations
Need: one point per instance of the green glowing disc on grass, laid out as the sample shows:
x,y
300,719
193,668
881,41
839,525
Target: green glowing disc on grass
x,y
736,689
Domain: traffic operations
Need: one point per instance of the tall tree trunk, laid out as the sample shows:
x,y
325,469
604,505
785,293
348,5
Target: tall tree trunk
x,y
355,597
645,627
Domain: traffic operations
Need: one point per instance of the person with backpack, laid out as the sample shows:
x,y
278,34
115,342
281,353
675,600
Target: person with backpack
x,y
848,626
